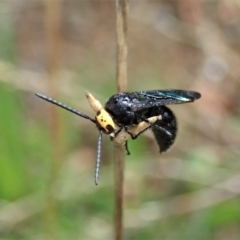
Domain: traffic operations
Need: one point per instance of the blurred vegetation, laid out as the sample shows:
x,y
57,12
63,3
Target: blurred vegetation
x,y
47,155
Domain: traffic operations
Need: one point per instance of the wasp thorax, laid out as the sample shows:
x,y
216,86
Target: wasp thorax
x,y
105,121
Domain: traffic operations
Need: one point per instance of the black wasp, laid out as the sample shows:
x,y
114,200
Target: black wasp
x,y
131,108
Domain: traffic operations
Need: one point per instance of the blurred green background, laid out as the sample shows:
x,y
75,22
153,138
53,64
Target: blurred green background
x,y
47,155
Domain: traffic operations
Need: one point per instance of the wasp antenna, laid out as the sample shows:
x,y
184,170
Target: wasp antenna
x,y
98,159
59,104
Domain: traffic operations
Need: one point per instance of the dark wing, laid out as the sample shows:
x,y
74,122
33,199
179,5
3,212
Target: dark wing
x,y
146,99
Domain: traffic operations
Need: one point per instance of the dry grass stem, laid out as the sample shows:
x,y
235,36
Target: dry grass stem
x,y
119,150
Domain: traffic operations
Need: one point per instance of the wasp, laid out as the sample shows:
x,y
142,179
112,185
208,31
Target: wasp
x,y
126,111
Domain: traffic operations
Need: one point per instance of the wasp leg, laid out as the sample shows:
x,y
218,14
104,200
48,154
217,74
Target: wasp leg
x,y
153,125
143,119
118,131
136,136
126,128
132,136
127,131
126,147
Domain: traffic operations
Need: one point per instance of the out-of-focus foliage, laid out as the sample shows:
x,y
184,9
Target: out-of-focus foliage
x,y
47,155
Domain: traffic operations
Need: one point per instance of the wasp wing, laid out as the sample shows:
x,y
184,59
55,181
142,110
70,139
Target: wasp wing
x,y
146,99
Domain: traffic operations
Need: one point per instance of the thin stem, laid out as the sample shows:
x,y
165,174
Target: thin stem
x,y
53,41
122,50
119,155
119,150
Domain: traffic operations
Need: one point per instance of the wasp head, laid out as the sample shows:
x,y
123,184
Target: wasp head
x,y
105,121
